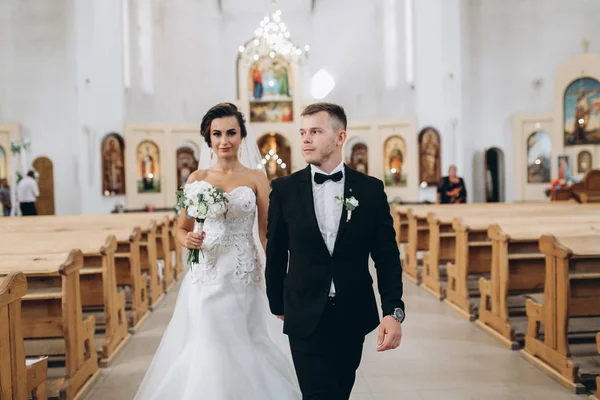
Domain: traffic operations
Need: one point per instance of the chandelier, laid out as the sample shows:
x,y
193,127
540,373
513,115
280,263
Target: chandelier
x,y
272,155
272,38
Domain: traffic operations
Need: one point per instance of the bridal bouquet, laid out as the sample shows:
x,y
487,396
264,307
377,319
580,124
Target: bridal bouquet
x,y
200,200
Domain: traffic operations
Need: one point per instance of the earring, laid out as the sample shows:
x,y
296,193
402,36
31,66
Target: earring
x,y
211,155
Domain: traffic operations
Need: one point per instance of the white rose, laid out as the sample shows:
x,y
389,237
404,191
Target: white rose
x,y
193,189
190,190
209,198
217,209
353,201
202,210
192,211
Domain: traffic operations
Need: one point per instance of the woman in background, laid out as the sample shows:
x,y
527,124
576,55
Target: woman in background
x,y
451,189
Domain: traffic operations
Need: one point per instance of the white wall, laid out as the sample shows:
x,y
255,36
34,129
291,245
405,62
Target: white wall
x,y
196,50
37,86
47,53
511,44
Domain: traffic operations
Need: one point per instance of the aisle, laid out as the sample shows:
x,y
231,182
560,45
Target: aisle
x,y
442,357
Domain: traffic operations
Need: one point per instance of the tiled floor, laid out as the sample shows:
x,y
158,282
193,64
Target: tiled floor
x,y
442,357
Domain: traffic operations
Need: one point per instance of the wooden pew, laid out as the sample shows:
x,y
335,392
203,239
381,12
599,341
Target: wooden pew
x,y
442,244
127,259
172,218
401,225
18,376
597,395
98,280
517,269
176,249
163,239
419,233
147,245
52,322
442,236
570,303
473,251
400,214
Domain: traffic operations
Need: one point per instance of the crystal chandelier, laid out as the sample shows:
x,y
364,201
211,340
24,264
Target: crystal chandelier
x,y
272,38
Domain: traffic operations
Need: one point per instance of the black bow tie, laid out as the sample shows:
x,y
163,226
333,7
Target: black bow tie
x,y
322,178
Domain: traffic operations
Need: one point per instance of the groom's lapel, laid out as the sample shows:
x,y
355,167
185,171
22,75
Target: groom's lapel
x,y
307,199
348,192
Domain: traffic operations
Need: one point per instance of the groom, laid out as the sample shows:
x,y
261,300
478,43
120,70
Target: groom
x,y
325,296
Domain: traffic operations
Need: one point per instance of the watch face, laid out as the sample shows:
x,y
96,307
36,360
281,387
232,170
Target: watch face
x,y
398,313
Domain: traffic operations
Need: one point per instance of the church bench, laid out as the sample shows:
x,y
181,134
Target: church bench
x,y
162,236
18,376
174,246
401,225
442,236
473,252
99,293
127,259
419,229
172,218
400,213
37,370
597,395
569,312
147,245
518,270
52,322
418,238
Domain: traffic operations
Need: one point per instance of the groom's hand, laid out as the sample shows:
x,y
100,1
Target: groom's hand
x,y
390,334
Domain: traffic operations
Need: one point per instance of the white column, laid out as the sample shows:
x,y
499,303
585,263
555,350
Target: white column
x,y
438,77
100,90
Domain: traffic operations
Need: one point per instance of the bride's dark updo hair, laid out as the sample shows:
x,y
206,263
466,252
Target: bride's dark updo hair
x,y
221,110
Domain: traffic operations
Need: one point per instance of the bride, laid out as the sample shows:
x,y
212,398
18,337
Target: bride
x,y
222,343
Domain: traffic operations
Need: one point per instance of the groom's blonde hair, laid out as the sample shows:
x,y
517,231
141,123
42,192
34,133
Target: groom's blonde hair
x,y
335,112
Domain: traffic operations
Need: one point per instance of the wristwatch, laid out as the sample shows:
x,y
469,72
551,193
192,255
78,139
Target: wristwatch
x,y
398,315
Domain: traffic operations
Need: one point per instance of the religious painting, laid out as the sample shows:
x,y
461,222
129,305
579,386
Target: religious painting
x,y
582,112
271,90
539,155
3,164
584,162
148,164
113,165
394,157
564,167
429,156
357,155
271,111
276,154
187,162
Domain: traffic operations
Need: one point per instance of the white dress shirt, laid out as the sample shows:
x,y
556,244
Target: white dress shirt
x,y
27,190
328,209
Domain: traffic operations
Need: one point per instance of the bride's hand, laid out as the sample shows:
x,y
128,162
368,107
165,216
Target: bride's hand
x,y
194,240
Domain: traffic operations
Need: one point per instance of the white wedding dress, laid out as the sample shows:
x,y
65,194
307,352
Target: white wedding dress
x,y
222,343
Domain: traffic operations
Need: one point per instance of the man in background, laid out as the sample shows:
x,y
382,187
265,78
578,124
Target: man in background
x,y
27,193
5,197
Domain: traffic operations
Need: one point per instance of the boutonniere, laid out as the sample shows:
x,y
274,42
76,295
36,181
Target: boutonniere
x,y
350,205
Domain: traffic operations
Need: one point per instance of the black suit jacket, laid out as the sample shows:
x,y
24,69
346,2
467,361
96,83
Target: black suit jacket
x,y
299,289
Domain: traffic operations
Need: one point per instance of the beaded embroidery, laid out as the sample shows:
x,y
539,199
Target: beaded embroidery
x,y
233,230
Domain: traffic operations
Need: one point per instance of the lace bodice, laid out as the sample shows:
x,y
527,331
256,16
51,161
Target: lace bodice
x,y
229,247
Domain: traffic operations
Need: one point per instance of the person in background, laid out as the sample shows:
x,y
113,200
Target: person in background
x,y
451,189
5,197
27,193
